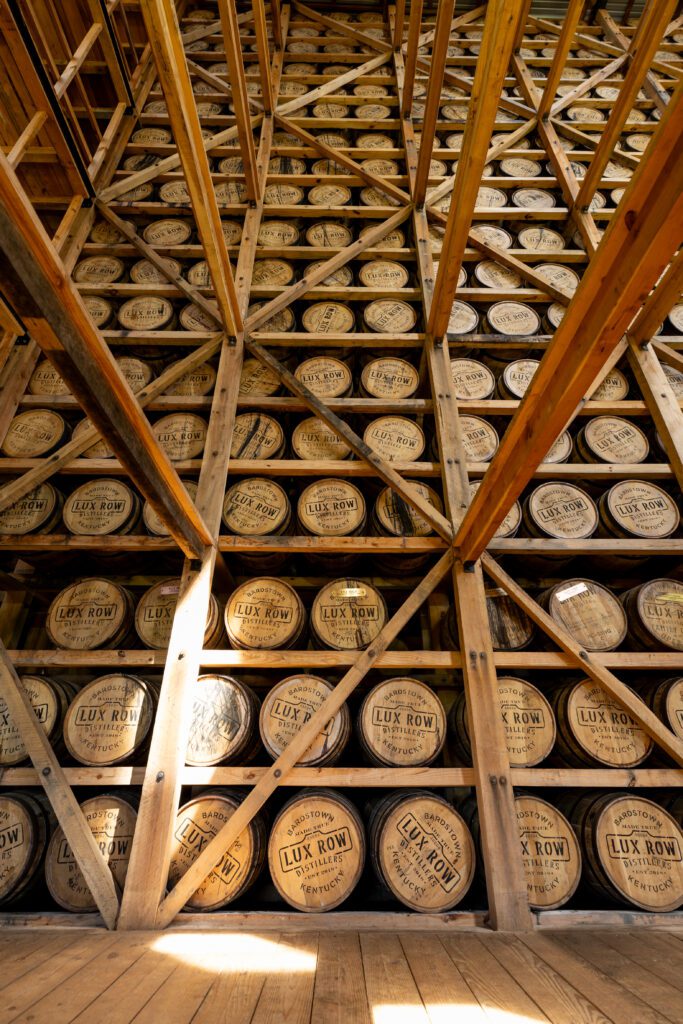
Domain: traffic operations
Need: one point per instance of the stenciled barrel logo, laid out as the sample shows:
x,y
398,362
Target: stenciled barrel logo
x,y
550,853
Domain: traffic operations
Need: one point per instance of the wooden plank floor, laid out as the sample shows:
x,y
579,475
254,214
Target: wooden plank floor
x,y
52,976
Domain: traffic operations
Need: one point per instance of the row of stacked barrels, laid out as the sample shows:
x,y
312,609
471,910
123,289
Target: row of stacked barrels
x,y
347,614
422,849
261,508
399,723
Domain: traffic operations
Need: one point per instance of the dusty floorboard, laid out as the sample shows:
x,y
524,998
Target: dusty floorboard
x,y
578,977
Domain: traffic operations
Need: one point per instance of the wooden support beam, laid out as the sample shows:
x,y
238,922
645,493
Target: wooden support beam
x,y
523,18
506,882
659,303
661,401
277,773
569,26
399,24
638,245
440,46
500,28
261,29
277,22
34,280
630,701
74,65
343,28
77,832
651,87
238,83
161,22
412,47
645,42
460,22
588,84
25,139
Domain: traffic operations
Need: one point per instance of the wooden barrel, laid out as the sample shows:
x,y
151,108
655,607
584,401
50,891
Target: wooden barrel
x,y
561,449
45,380
421,850
49,700
104,233
332,194
99,270
492,234
464,319
223,725
156,609
146,313
264,613
100,310
25,825
611,439
38,511
152,520
328,318
472,380
633,850
329,235
89,614
286,710
395,239
258,507
389,377
272,272
655,614
594,728
666,700
588,611
258,379
383,274
528,721
34,433
137,372
274,234
514,319
111,819
282,194
512,521
325,376
313,439
167,232
340,278
146,272
613,387
539,238
181,435
316,850
101,507
401,723
390,316
560,510
331,508
347,615
395,438
197,822
515,379
638,508
675,379
480,439
533,199
109,720
394,517
196,382
551,854
495,275
257,436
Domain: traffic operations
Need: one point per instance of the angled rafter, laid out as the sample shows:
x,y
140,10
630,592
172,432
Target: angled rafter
x,y
652,88
412,47
500,31
343,28
569,26
238,83
35,281
645,42
588,84
276,774
163,30
638,245
440,45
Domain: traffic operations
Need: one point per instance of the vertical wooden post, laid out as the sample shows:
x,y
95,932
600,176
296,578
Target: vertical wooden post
x,y
569,26
444,17
413,45
238,83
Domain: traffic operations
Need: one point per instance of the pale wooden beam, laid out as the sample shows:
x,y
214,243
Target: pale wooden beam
x,y
500,28
277,773
651,86
238,83
638,245
399,23
412,46
569,26
51,776
444,17
35,282
261,30
163,31
645,42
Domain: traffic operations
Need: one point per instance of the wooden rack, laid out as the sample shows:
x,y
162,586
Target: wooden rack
x,y
83,99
